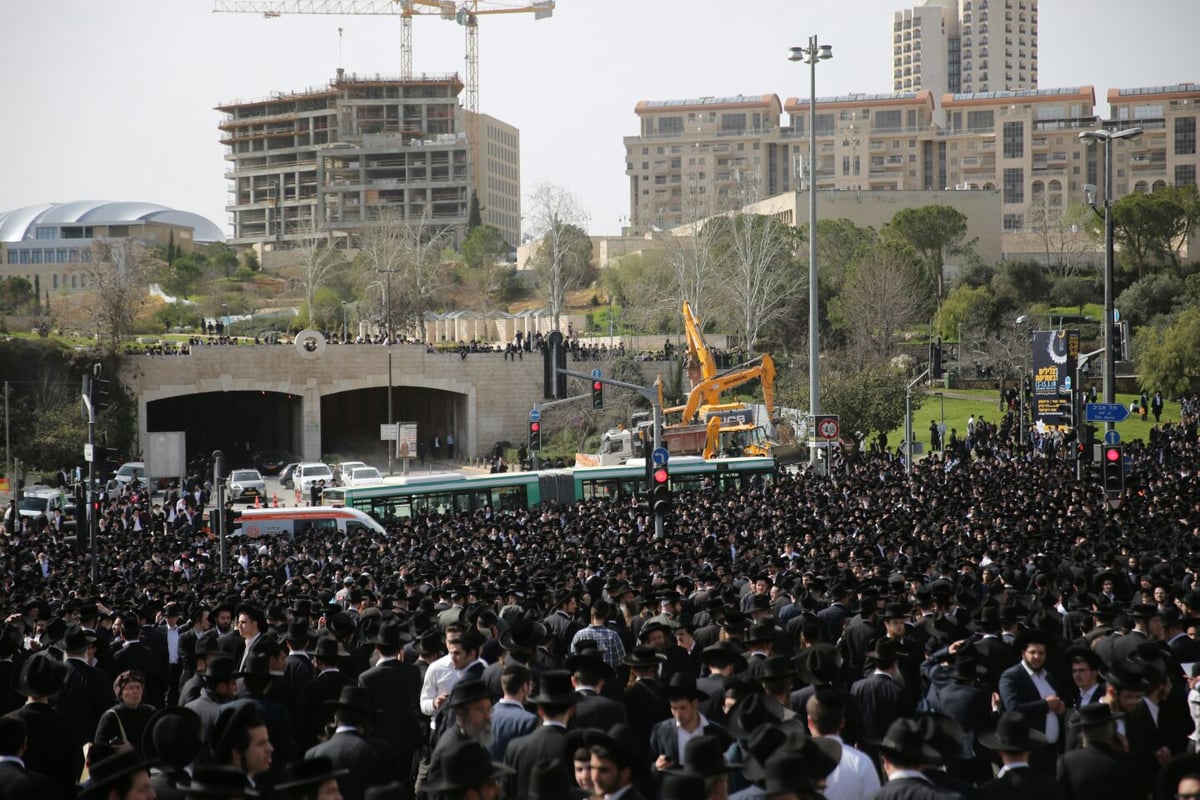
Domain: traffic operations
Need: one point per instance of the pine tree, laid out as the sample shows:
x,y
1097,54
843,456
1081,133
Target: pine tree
x,y
475,214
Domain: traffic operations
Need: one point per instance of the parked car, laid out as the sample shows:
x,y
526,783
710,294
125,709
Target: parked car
x,y
270,462
246,483
285,475
342,470
309,472
362,476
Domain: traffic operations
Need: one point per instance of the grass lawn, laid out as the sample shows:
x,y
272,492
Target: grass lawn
x,y
958,404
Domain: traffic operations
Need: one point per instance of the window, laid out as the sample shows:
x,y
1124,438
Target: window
x,y
888,120
733,123
1185,174
980,120
1014,140
825,123
1185,136
670,126
1014,222
1014,185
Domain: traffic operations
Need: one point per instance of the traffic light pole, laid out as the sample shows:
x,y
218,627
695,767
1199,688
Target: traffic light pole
x,y
1081,362
92,521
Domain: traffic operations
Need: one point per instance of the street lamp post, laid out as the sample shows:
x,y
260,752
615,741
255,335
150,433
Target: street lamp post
x,y
1107,137
345,329
811,55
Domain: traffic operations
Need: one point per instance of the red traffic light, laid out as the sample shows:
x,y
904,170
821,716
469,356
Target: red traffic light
x,y
535,426
597,386
1112,454
661,476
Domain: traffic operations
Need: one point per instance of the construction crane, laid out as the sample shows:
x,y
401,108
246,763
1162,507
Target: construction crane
x,y
464,13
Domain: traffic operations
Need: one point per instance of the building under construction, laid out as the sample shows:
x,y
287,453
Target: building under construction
x,y
327,162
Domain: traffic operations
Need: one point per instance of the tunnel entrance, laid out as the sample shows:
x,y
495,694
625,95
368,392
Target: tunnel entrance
x,y
350,421
237,423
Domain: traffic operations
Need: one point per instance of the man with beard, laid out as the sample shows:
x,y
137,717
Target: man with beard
x,y
471,704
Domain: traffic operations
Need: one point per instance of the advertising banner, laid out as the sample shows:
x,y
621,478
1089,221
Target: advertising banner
x,y
1055,354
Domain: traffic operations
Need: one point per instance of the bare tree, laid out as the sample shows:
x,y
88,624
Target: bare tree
x,y
557,219
406,257
882,295
1065,236
119,274
317,260
691,253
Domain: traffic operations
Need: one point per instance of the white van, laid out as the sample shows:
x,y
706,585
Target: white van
x,y
259,523
308,473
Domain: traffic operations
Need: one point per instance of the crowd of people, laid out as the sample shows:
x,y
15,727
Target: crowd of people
x,y
986,627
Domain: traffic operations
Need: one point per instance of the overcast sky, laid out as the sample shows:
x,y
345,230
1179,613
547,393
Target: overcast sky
x,y
113,99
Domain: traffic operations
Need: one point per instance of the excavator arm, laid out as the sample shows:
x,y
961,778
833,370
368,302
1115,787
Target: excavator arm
x,y
708,392
698,350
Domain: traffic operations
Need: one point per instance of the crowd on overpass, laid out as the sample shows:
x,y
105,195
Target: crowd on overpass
x,y
867,634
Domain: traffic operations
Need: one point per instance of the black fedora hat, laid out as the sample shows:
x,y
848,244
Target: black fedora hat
x,y
554,689
967,669
309,772
298,630
429,643
1087,654
775,667
786,771
77,638
258,664
523,636
642,656
106,772
172,736
1028,636
220,668
329,649
682,785
1174,771
764,742
621,743
1093,714
683,686
895,611
587,655
388,791
231,722
1012,734
905,743
467,691
750,713
465,765
726,651
705,756
353,697
1127,673
41,675
212,781
884,650
760,632
393,634
651,627
819,664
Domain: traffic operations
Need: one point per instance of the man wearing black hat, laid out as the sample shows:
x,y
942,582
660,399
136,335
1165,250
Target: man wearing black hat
x,y
470,704
555,704
1028,687
591,675
880,697
1014,739
86,692
669,737
49,734
562,624
469,774
220,687
258,680
240,740
364,758
394,687
904,752
1101,769
615,766
312,710
645,703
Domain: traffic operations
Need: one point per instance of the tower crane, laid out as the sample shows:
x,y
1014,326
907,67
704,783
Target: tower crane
x,y
465,13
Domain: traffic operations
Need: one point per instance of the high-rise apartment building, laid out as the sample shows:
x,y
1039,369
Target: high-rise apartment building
x,y
965,46
329,161
496,175
1165,153
693,158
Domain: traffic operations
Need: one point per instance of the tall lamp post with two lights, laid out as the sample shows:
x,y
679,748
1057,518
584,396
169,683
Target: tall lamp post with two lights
x,y
811,55
1107,137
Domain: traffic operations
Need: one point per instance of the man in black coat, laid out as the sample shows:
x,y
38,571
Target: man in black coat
x,y
470,704
394,687
1028,687
17,782
645,704
365,758
130,653
590,675
880,697
684,699
1014,740
1100,769
49,734
86,692
323,689
555,702
904,752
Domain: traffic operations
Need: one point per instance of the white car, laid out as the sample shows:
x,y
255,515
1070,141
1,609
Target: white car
x,y
131,471
342,470
362,476
308,473
246,483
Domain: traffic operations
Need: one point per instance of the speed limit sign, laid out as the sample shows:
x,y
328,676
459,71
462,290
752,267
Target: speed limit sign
x,y
827,427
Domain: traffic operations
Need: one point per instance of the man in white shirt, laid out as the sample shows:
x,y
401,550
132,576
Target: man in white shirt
x,y
445,672
855,776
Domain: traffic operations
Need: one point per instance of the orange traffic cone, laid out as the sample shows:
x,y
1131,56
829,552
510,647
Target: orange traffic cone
x,y
275,501
256,504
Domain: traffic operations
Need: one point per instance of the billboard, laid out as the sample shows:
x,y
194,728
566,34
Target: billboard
x,y
1055,354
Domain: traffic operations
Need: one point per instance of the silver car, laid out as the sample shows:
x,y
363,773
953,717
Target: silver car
x,y
246,483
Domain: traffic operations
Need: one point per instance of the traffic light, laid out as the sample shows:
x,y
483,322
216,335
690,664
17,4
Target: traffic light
x,y
1112,465
1085,443
597,393
660,492
535,436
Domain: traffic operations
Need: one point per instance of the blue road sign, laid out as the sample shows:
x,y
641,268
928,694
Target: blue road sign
x,y
659,456
1105,412
535,415
1127,463
596,373
1112,437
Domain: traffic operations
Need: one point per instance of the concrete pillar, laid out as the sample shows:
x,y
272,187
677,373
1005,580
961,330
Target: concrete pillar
x,y
310,412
